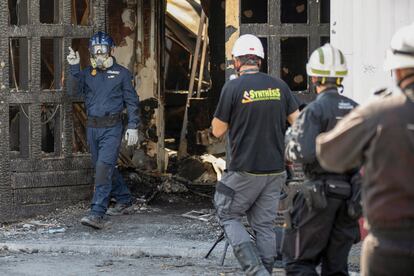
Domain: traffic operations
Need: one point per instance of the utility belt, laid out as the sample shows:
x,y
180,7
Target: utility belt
x,y
316,192
105,121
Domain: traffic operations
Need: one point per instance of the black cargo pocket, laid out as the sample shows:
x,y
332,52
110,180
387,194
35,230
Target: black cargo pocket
x,y
223,199
314,194
338,189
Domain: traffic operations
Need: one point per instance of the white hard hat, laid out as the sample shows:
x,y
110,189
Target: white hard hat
x,y
327,61
248,45
401,54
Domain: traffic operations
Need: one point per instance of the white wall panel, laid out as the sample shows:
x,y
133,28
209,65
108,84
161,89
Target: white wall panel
x,y
362,29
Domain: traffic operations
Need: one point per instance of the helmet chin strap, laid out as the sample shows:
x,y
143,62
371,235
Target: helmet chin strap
x,y
323,81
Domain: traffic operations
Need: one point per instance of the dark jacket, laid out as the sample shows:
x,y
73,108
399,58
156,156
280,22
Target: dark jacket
x,y
319,116
381,137
107,92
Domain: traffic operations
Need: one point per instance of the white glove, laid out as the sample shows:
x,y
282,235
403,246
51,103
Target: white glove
x,y
73,58
131,136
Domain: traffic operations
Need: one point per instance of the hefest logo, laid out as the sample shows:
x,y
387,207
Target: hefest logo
x,y
270,94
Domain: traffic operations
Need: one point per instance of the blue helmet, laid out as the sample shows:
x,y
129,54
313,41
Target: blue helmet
x,y
101,38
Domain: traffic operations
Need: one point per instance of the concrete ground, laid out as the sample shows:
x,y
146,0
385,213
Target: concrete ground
x,y
154,240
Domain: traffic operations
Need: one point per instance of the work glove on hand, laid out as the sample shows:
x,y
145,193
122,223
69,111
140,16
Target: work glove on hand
x,y
131,136
73,58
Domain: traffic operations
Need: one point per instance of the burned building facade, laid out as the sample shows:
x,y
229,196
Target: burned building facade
x,y
172,47
44,162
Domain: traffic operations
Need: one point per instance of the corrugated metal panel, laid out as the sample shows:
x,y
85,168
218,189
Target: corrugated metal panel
x,y
362,29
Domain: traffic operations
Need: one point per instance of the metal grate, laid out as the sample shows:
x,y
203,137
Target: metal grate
x,y
314,28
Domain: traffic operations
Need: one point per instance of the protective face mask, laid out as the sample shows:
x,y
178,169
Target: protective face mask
x,y
101,62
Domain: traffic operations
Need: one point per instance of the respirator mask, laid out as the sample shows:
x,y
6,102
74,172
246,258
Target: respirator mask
x,y
100,57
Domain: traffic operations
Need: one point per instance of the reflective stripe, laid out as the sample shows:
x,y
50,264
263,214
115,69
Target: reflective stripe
x,y
341,73
328,73
321,56
321,72
342,57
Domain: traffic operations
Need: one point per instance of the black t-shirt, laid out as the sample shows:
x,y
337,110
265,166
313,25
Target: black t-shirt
x,y
256,107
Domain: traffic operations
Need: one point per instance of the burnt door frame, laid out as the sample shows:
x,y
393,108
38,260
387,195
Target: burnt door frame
x,y
15,171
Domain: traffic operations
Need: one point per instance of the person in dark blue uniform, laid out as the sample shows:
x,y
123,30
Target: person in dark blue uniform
x,y
107,89
321,228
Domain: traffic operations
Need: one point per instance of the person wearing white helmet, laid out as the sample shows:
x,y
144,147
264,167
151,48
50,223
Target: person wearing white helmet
x,y
253,109
380,136
320,228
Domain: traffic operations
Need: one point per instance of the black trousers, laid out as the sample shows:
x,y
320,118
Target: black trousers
x,y
319,236
388,252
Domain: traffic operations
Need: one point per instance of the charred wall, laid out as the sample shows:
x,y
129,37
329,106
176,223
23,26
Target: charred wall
x,y
40,168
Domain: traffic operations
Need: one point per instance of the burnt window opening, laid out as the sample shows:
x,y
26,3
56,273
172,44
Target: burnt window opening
x,y
177,73
79,128
80,12
19,64
294,11
49,11
254,11
18,13
325,39
19,130
51,63
50,124
325,13
294,52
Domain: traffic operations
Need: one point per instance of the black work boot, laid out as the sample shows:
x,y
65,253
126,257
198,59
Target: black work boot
x,y
246,254
119,209
93,221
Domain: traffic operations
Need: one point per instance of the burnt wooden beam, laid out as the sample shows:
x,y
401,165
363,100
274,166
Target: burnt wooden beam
x,y
40,196
217,55
232,31
78,162
159,28
5,187
28,180
285,30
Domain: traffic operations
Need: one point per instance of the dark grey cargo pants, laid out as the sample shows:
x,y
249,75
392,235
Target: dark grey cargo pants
x,y
324,235
257,196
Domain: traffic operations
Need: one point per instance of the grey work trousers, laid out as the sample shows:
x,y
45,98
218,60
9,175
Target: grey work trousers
x,y
389,252
257,196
